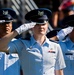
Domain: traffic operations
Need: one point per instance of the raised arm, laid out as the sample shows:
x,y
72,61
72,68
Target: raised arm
x,y
63,32
7,38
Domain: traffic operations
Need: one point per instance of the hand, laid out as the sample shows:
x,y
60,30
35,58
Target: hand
x,y
63,32
25,27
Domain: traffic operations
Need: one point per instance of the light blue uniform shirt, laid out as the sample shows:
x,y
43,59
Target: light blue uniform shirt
x,y
36,59
9,64
68,52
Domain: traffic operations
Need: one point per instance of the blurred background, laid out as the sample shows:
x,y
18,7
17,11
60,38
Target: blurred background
x,y
21,7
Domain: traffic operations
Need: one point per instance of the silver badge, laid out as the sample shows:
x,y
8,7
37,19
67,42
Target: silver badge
x,y
40,13
5,12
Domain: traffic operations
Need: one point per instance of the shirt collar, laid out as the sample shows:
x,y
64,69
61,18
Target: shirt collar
x,y
46,42
33,41
69,43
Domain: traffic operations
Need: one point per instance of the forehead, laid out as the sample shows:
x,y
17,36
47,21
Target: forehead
x,y
2,24
45,24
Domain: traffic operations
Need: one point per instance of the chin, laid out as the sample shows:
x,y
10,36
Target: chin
x,y
7,32
42,33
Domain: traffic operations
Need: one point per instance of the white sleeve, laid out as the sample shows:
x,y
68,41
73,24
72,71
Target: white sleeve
x,y
60,62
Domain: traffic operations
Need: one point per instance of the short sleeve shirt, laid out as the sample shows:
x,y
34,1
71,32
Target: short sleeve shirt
x,y
38,59
68,52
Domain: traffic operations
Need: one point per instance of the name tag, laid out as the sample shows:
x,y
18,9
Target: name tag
x,y
68,53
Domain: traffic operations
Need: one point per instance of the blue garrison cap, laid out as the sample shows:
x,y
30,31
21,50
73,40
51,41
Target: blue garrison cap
x,y
68,21
40,16
6,15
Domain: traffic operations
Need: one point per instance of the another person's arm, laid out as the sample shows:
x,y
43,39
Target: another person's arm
x,y
64,32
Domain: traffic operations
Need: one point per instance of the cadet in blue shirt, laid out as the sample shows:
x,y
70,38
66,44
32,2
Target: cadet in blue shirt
x,y
38,55
9,63
68,46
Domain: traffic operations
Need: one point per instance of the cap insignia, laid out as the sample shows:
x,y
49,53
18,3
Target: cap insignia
x,y
5,12
40,13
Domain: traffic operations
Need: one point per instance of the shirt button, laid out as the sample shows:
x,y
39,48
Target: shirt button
x,y
43,72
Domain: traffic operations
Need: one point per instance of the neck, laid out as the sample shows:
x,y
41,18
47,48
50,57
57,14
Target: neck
x,y
40,39
1,35
71,37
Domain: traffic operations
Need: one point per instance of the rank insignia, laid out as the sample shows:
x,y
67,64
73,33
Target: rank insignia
x,y
51,51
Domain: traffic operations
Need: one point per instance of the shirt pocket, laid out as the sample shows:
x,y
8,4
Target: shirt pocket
x,y
69,59
69,55
34,52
